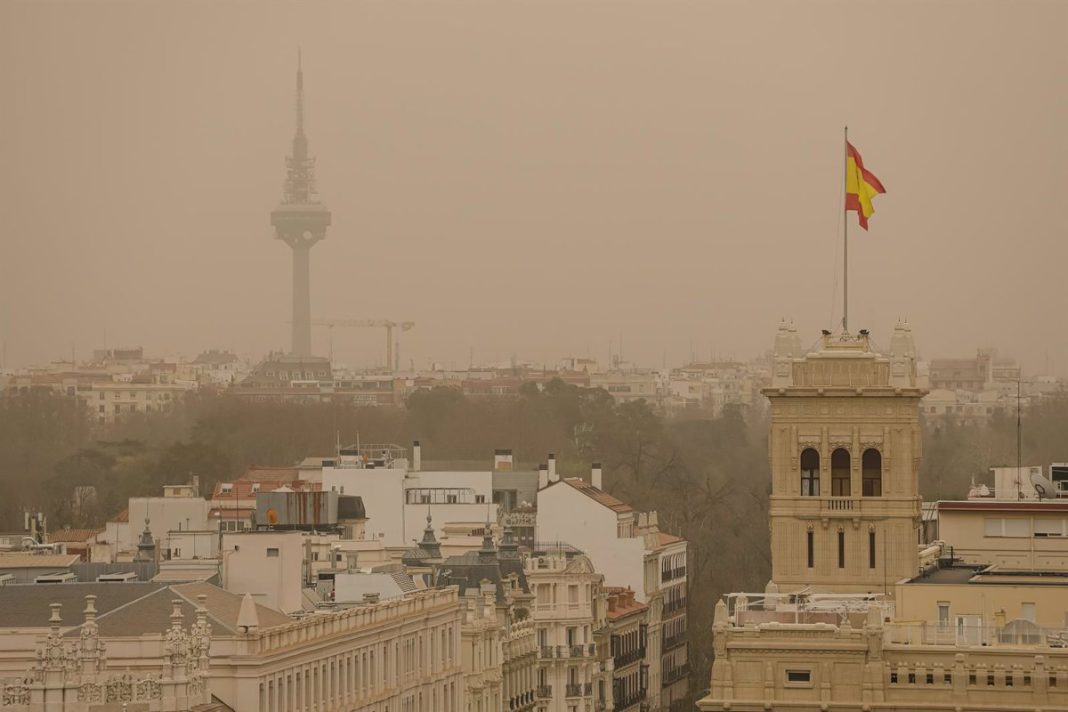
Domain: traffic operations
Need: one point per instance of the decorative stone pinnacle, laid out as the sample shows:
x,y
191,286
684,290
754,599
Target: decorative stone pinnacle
x,y
90,607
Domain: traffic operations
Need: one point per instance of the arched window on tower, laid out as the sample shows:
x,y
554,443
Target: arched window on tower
x,y
810,473
871,469
840,473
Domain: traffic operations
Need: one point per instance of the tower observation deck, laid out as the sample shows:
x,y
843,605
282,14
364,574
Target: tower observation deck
x,y
300,221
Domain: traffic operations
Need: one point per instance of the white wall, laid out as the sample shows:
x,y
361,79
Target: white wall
x,y
165,514
274,581
567,515
384,493
382,490
193,544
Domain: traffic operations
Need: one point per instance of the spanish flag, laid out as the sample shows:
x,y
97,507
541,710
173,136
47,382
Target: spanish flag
x,y
861,186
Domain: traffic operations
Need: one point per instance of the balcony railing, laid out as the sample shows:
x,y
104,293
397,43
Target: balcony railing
x,y
629,657
521,701
574,690
677,604
674,641
634,698
673,675
544,692
568,651
670,574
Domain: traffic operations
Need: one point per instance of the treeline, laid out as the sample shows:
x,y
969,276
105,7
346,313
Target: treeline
x,y
707,477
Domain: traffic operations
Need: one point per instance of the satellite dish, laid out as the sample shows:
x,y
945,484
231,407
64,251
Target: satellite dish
x,y
1043,487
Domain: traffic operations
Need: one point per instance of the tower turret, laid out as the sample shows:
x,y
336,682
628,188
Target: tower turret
x,y
845,451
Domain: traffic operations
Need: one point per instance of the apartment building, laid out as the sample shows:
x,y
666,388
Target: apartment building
x,y
568,609
628,548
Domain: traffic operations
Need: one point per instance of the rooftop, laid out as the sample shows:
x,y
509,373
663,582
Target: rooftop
x,y
1032,505
990,575
125,609
37,561
597,495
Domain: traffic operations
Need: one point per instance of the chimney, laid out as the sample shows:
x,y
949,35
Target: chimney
x,y
595,475
502,461
196,485
553,477
543,476
417,456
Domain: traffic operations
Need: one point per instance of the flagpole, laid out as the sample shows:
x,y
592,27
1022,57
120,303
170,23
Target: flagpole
x,y
845,234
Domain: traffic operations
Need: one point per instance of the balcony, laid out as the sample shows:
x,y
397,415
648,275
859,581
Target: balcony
x,y
840,507
671,574
629,657
544,692
670,607
635,698
674,641
574,690
673,675
521,702
582,651
567,651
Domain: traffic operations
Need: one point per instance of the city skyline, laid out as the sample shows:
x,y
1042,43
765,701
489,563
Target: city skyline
x,y
650,220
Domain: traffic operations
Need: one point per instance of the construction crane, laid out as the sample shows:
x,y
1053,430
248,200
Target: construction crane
x,y
392,347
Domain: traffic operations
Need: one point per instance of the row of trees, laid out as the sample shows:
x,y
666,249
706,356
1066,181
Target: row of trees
x,y
707,477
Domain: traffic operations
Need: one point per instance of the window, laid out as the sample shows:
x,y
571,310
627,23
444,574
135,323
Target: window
x,y
943,614
871,550
810,473
840,473
841,549
871,468
480,499
1007,527
1049,527
272,553
811,548
798,676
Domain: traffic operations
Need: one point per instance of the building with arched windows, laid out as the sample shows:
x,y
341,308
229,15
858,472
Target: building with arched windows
x,y
845,449
858,615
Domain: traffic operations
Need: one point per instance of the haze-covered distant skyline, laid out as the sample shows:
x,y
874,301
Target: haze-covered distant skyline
x,y
533,178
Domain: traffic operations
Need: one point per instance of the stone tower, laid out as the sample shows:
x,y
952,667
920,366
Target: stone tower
x,y
300,221
844,448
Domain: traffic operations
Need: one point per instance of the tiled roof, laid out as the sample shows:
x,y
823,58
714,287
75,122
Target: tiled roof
x,y
599,496
663,538
224,606
37,561
122,517
26,605
76,536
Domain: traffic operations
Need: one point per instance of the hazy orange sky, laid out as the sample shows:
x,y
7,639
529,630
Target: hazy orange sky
x,y
534,178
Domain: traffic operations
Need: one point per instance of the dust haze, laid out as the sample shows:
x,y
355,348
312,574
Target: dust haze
x,y
534,179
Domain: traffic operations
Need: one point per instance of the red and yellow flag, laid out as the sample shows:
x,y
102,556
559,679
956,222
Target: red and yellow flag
x,y
861,186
